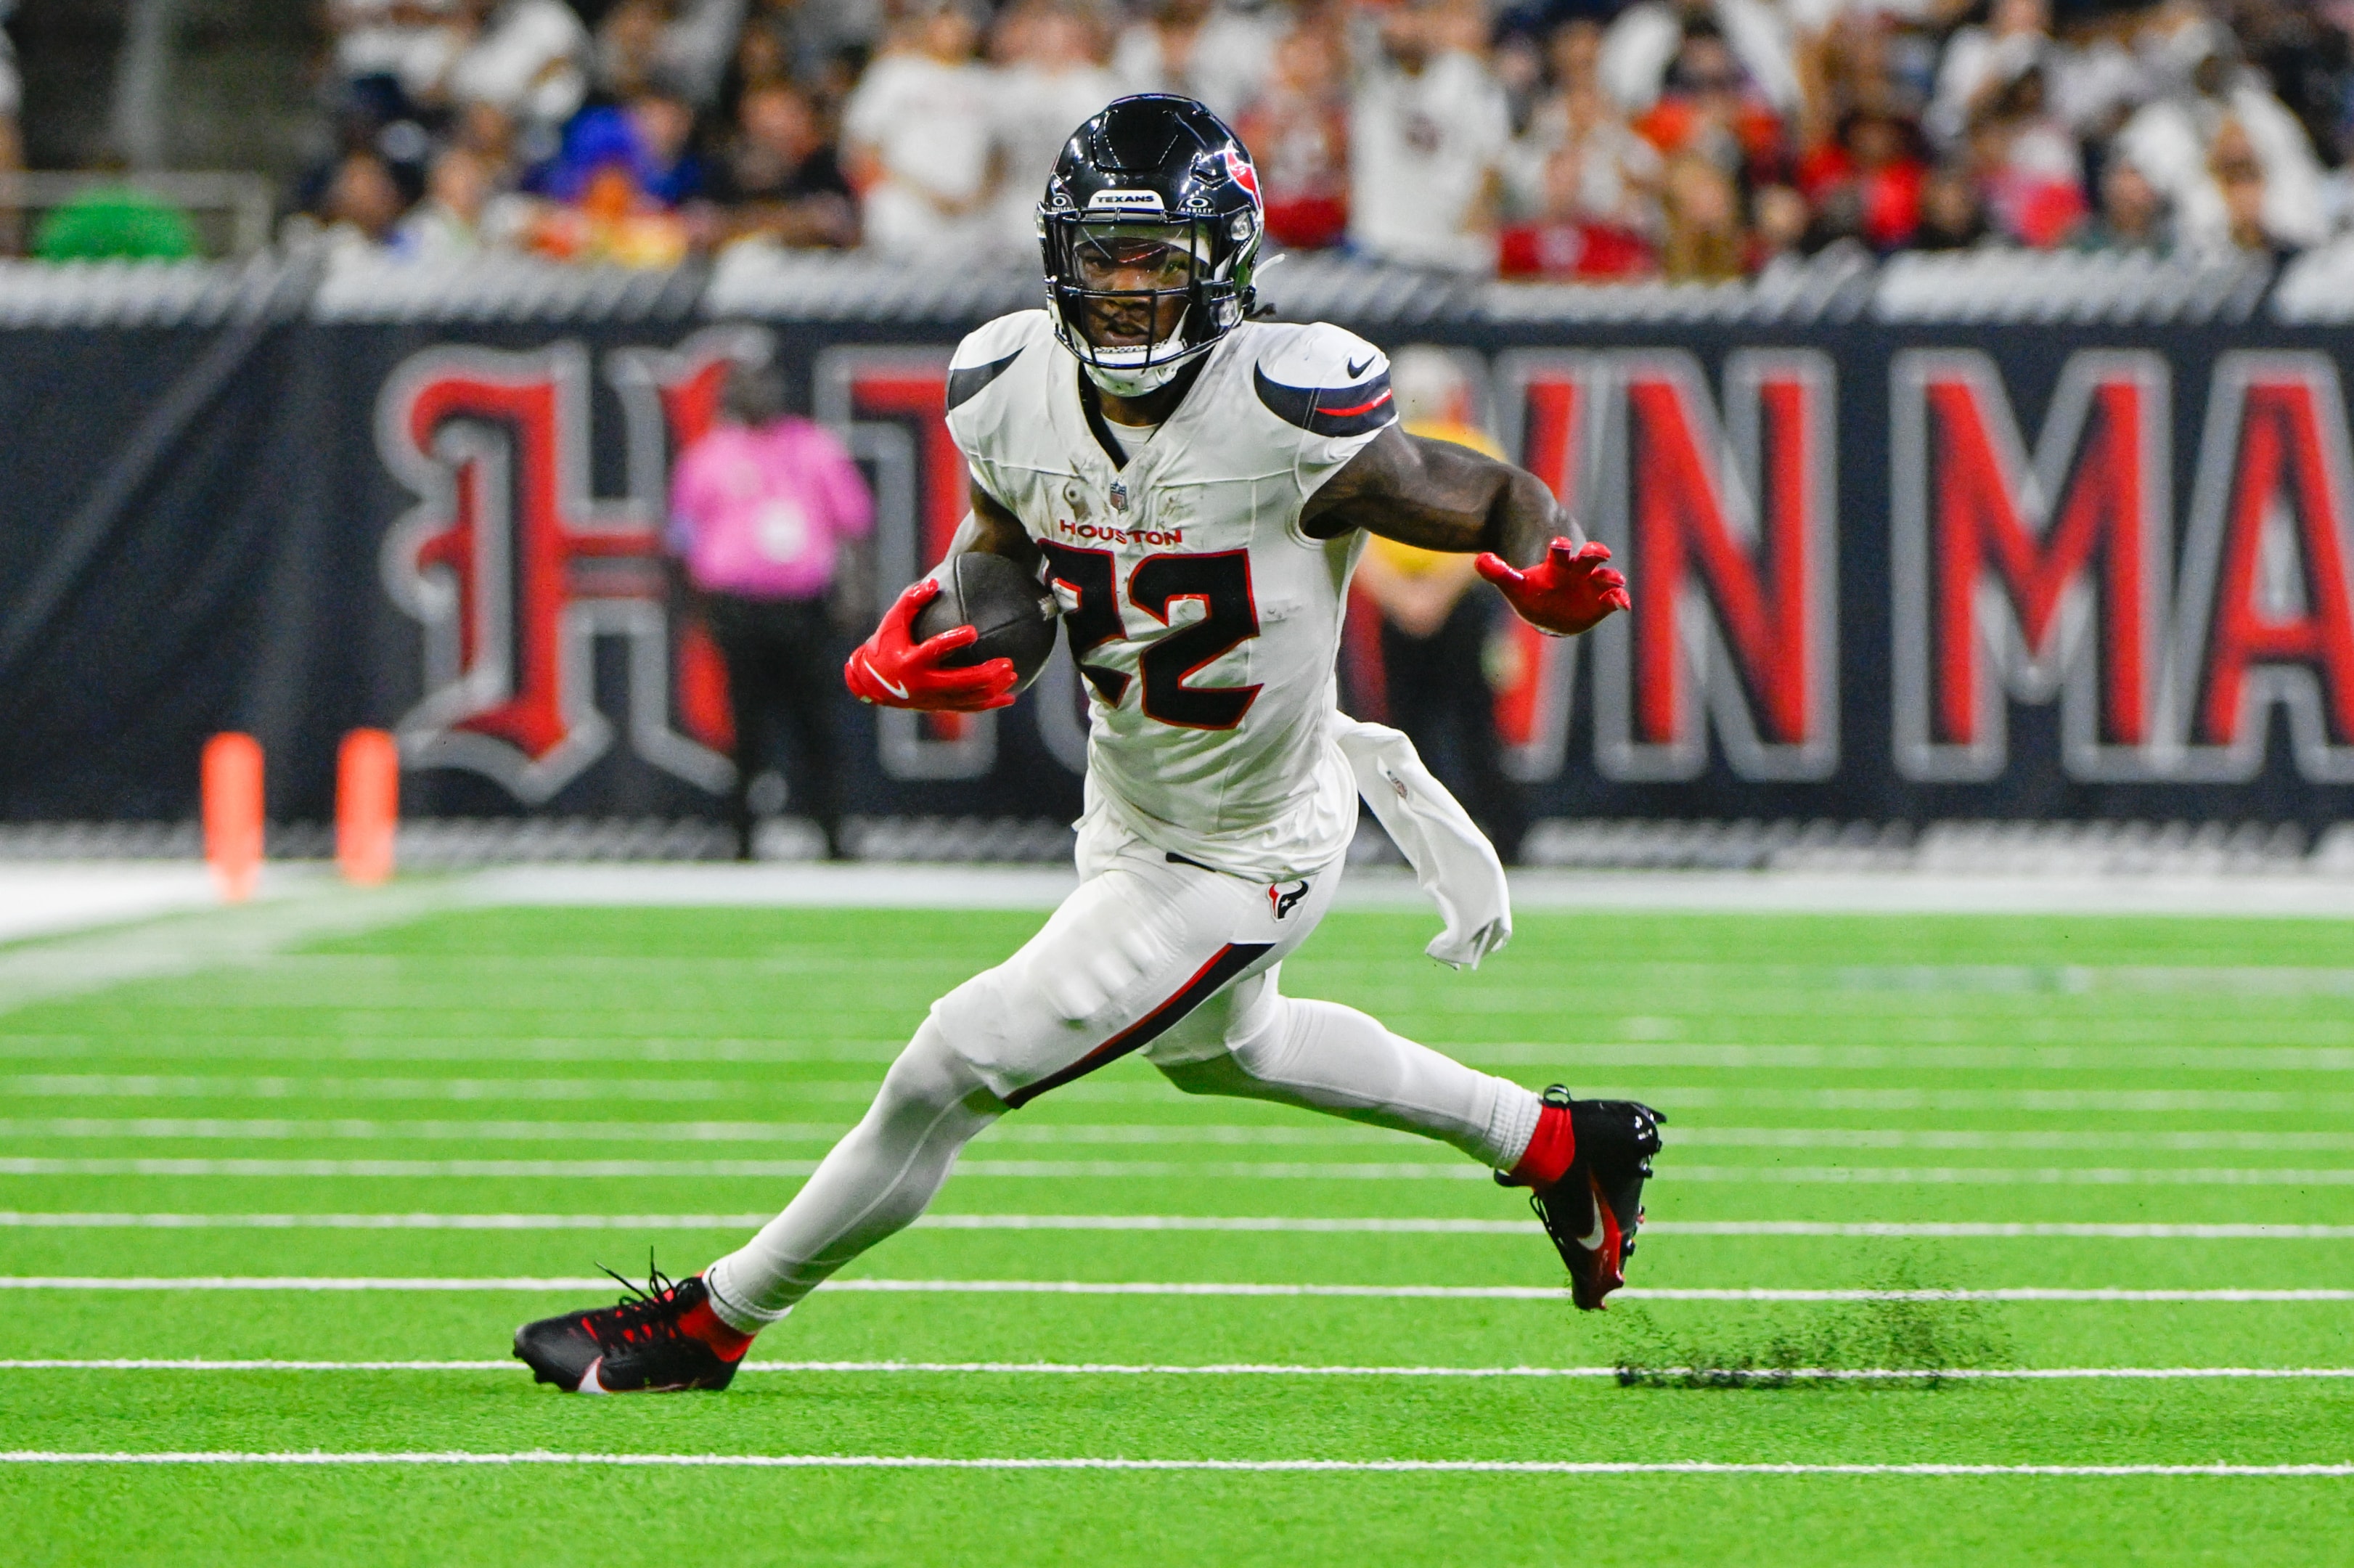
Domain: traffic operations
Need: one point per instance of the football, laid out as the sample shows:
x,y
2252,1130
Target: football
x,y
1014,616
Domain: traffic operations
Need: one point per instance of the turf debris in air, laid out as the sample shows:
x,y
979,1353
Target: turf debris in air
x,y
1903,1343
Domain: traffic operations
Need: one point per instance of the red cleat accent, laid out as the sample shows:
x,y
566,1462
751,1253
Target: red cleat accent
x,y
700,1322
1551,1149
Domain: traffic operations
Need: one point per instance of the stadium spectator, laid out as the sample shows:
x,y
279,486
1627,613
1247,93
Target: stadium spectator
x,y
1051,78
766,515
1705,240
362,203
777,174
1534,139
1711,108
920,143
2132,215
768,51
1781,224
1952,216
615,190
406,45
1200,48
822,45
2308,58
526,59
488,132
2029,168
1585,185
680,48
449,223
2217,141
1428,132
1866,184
648,136
1861,55
1650,37
2087,88
1437,618
1298,131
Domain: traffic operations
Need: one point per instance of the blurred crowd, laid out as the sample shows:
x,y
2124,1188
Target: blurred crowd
x,y
1574,139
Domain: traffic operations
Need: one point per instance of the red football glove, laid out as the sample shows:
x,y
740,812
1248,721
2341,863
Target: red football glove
x,y
897,672
1569,592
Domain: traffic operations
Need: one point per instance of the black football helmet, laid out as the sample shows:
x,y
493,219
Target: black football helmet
x,y
1150,230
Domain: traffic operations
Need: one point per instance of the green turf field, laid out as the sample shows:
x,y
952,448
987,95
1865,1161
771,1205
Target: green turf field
x,y
436,1115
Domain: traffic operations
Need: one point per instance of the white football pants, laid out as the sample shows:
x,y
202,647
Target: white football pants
x,y
1151,954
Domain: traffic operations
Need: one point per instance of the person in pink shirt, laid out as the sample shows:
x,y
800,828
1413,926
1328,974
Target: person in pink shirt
x,y
768,520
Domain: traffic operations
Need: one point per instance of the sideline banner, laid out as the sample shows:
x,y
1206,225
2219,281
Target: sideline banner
x,y
1881,571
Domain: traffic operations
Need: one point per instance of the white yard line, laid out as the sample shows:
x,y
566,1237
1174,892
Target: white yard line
x,y
11,1220
1116,1287
926,1462
341,1129
542,1130
1244,1369
1158,1170
1747,1097
2155,1060
317,908
2158,1060
877,886
43,898
192,1087
1767,892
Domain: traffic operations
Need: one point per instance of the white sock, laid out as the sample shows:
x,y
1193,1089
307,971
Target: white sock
x,y
873,1183
1320,1056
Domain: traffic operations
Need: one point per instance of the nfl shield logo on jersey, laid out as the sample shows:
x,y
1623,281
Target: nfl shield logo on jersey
x,y
1118,496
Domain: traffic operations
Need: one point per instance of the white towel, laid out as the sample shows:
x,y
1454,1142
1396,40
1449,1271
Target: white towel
x,y
1453,860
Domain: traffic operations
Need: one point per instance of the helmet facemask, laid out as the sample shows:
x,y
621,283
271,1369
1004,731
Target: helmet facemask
x,y
1134,300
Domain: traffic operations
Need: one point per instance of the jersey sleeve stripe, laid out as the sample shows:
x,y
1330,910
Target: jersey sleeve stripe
x,y
965,383
1330,411
1359,408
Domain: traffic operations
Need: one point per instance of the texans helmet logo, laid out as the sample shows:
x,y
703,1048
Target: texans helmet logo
x,y
1240,170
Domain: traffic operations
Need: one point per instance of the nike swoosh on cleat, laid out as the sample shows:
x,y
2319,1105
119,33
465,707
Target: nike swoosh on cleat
x,y
1591,1240
1357,367
589,1383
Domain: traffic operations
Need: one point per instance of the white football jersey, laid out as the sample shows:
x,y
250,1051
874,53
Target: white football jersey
x,y
1205,622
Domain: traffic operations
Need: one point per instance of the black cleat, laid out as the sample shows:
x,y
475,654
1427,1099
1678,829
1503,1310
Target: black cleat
x,y
648,1343
1593,1212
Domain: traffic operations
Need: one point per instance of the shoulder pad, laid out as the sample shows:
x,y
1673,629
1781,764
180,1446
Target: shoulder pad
x,y
1326,381
990,352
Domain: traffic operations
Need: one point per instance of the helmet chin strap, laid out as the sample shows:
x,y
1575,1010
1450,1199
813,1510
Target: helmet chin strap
x,y
1138,380
1133,383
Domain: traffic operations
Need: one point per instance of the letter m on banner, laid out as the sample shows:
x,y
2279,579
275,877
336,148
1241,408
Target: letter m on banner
x,y
2028,582
1729,541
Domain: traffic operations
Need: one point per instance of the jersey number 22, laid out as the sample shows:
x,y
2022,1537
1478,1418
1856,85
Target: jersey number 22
x,y
1219,580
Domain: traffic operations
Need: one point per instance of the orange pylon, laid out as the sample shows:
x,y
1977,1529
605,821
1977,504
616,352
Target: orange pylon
x,y
232,807
367,806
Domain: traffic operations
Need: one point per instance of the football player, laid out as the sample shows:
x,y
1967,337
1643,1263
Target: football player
x,y
1194,486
